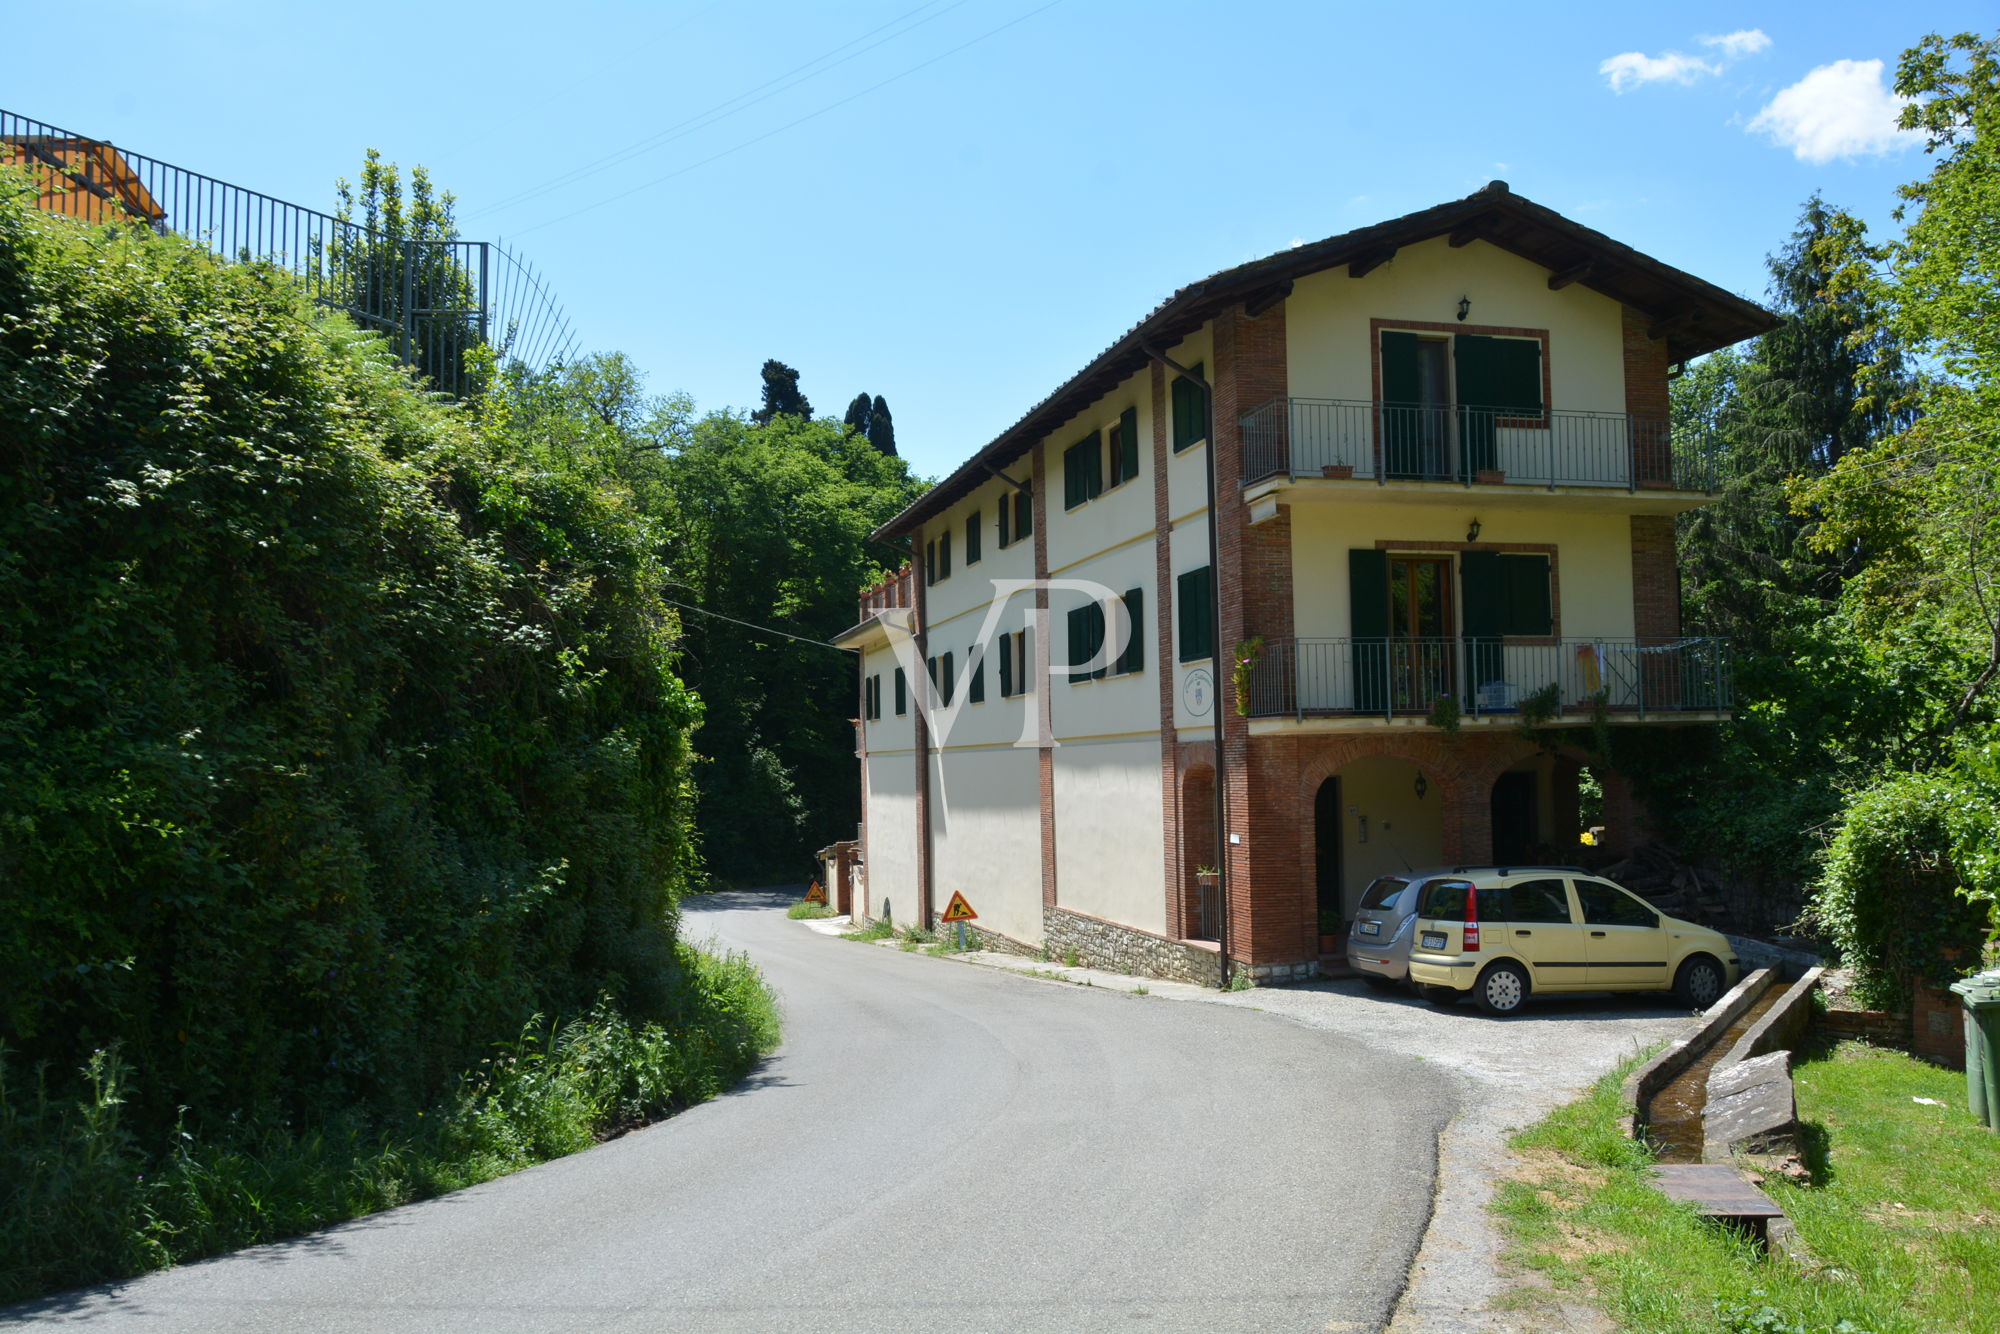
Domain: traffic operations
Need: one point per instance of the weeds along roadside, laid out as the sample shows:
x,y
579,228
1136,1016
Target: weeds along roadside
x,y
82,1200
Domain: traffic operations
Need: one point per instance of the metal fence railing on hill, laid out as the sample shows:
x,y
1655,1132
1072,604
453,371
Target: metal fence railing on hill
x,y
434,300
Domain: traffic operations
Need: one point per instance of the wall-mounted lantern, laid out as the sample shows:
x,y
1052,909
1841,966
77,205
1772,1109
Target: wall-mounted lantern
x,y
1464,308
1421,786
1472,533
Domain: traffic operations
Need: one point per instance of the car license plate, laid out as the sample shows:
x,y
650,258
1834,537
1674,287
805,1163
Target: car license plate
x,y
1371,928
1433,940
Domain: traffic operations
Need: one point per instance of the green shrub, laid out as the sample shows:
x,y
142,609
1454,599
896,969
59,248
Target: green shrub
x,y
1889,894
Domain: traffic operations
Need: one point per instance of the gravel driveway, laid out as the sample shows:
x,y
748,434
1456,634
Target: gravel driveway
x,y
1509,1073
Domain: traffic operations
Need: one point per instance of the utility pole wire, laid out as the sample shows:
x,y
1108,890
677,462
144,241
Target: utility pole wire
x,y
721,111
766,629
811,115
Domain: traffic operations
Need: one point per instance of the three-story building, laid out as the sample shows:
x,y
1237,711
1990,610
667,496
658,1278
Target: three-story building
x,y
1353,514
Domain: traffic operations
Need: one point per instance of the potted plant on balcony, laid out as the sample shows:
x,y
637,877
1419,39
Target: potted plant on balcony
x,y
1243,663
1338,471
1490,476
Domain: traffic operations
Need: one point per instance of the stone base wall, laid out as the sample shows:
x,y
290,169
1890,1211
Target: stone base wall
x,y
1890,1028
1273,974
1124,949
980,938
1937,1026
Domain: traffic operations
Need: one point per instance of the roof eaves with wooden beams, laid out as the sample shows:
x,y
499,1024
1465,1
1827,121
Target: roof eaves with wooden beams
x,y
1694,316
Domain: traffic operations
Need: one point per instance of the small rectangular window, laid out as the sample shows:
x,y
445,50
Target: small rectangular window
x,y
975,677
1086,642
972,538
1132,658
1195,593
1083,470
1124,447
902,694
1190,411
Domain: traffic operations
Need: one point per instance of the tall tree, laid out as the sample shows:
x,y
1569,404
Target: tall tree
x,y
858,413
1786,409
882,428
781,395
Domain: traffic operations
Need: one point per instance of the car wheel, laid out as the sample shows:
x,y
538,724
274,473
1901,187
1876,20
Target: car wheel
x,y
1443,997
1698,985
1502,989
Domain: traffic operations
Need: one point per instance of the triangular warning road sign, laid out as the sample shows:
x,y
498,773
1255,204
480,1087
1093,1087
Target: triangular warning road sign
x,y
815,894
958,910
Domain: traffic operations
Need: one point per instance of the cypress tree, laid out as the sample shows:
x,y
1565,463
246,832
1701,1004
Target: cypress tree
x,y
781,394
882,428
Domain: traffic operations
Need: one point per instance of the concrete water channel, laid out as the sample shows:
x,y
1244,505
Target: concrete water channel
x,y
1675,1117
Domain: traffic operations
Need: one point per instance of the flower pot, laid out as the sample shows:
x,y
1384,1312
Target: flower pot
x,y
1490,477
1342,471
1329,944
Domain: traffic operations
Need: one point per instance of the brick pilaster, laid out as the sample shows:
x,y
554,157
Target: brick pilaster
x,y
919,696
1267,885
1044,698
1178,925
1646,398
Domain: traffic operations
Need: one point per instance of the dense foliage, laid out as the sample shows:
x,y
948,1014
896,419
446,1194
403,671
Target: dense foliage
x,y
335,741
1855,557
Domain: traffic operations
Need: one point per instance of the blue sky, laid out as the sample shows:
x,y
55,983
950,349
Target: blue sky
x,y
955,204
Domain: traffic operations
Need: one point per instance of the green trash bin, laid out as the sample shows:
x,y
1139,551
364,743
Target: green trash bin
x,y
1980,995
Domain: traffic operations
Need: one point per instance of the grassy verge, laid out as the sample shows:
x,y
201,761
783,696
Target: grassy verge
x,y
804,911
881,929
83,1200
1902,1216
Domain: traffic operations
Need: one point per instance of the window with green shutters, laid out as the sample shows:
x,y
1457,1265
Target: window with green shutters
x,y
975,677
1004,522
1132,658
1506,594
902,694
1368,626
947,679
1015,664
944,557
1125,447
1190,408
972,538
1083,470
1024,512
1195,593
1086,642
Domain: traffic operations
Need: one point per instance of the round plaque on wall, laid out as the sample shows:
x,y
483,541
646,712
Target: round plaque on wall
x,y
1198,691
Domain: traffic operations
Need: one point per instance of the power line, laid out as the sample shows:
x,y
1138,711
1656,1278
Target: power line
x,y
723,110
766,629
811,115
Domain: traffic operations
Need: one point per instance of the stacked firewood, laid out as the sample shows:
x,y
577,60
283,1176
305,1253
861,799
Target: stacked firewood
x,y
1655,873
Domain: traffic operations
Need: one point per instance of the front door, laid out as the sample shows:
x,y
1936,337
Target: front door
x,y
1326,847
1515,831
1420,624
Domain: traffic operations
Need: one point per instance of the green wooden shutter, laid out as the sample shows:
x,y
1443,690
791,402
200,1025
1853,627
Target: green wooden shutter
x,y
1005,525
1128,444
1528,608
1079,634
1402,406
1094,620
1190,410
945,671
1368,623
1024,512
930,563
1517,376
972,538
1006,666
975,671
902,693
1485,598
1481,389
944,556
1073,477
1193,589
1133,658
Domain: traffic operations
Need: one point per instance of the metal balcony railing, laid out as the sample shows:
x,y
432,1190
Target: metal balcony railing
x,y
435,301
1473,446
1393,678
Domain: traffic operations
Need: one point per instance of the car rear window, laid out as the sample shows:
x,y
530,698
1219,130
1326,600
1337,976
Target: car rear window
x,y
1444,900
1382,894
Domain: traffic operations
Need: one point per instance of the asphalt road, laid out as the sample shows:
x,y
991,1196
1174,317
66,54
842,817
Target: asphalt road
x,y
935,1147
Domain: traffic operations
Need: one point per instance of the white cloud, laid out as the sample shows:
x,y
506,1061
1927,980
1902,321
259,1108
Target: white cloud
x,y
1629,69
1736,45
1842,110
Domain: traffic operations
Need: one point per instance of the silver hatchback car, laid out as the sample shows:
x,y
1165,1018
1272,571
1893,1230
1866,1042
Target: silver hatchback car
x,y
1378,944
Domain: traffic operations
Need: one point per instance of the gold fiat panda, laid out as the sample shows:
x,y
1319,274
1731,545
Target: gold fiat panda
x,y
1505,934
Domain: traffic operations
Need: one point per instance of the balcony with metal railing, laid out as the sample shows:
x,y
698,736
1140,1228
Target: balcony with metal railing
x,y
1626,679
434,300
1472,446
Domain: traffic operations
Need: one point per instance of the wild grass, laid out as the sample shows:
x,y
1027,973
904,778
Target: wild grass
x,y
1899,1216
83,1200
881,929
802,911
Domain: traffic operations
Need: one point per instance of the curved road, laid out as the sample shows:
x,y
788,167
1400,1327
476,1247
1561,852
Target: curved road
x,y
934,1147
